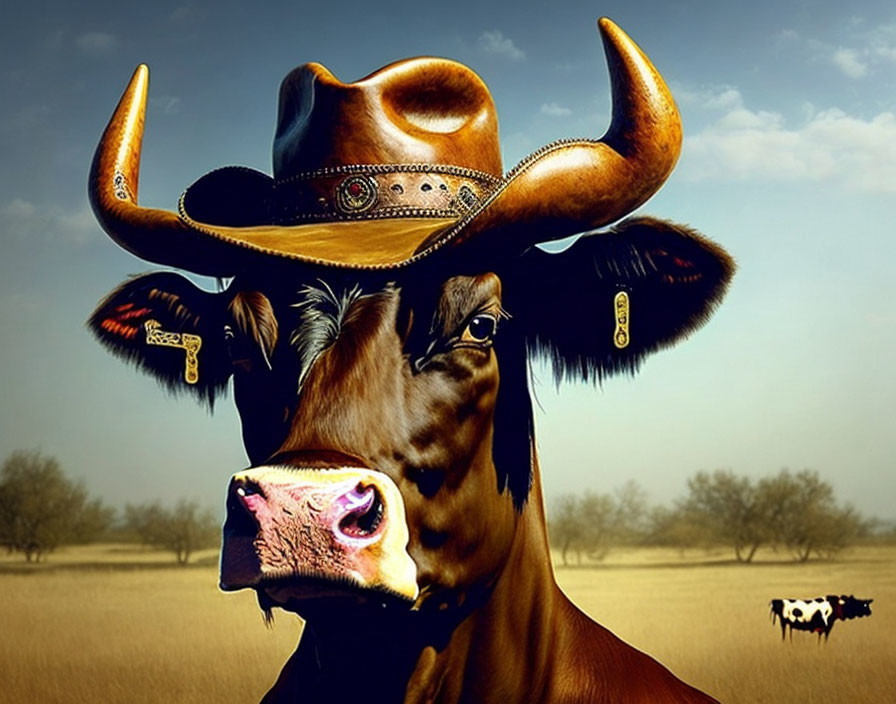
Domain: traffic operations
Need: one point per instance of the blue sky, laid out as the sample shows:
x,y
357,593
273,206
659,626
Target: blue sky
x,y
789,161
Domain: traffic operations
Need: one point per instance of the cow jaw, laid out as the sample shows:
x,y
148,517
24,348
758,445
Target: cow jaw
x,y
304,533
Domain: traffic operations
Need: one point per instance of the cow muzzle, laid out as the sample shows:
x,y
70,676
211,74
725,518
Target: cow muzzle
x,y
308,533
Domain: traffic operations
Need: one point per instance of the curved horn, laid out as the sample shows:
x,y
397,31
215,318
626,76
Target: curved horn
x,y
156,235
574,185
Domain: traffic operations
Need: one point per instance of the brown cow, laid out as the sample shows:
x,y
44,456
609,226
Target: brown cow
x,y
385,300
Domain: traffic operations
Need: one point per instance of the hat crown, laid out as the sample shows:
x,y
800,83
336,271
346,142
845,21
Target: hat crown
x,y
417,111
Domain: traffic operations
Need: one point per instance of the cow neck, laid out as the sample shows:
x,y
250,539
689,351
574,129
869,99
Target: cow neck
x,y
504,651
497,648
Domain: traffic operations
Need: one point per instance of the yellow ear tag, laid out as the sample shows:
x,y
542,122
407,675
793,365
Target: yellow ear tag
x,y
621,309
183,340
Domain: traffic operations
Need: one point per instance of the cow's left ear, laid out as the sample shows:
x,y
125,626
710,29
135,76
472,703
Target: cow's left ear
x,y
612,298
169,328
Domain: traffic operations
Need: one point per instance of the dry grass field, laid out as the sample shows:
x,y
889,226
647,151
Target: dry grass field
x,y
708,621
112,624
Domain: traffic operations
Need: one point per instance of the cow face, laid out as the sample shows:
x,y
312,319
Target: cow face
x,y
361,462
386,414
848,607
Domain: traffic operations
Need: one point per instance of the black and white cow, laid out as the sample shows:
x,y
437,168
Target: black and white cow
x,y
817,615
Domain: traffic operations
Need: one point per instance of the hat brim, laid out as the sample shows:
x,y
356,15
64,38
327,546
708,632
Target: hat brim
x,y
370,244
229,205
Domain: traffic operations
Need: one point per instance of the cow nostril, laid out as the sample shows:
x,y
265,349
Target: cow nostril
x,y
248,496
241,518
365,515
247,488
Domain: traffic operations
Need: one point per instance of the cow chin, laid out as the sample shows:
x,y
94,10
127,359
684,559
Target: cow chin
x,y
300,534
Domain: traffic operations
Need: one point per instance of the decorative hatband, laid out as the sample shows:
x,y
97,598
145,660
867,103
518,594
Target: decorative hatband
x,y
372,191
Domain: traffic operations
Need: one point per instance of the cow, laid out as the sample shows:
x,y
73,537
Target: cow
x,y
379,363
817,615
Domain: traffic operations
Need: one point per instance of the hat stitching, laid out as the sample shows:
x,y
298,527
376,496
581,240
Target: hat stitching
x,y
347,169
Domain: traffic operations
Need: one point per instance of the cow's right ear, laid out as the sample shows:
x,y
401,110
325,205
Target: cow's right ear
x,y
169,328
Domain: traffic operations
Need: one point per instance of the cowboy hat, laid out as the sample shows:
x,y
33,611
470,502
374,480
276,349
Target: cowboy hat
x,y
385,171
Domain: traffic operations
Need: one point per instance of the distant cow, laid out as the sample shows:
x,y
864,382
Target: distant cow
x,y
817,615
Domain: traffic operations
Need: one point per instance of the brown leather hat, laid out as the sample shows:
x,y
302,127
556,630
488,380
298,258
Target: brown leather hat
x,y
385,171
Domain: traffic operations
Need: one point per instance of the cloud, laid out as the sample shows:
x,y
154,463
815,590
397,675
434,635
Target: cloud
x,y
554,110
496,43
882,42
721,98
18,210
786,35
829,146
848,61
24,220
96,43
871,48
170,104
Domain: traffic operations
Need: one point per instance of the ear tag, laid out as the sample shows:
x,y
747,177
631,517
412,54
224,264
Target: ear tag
x,y
621,309
185,341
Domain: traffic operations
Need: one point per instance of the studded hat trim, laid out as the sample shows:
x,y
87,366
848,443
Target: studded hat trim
x,y
374,191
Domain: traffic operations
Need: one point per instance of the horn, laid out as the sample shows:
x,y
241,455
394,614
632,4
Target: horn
x,y
155,235
574,185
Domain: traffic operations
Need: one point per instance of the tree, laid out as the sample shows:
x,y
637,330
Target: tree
x,y
182,529
674,527
592,523
598,513
565,527
729,509
877,531
796,512
632,520
40,508
803,516
585,524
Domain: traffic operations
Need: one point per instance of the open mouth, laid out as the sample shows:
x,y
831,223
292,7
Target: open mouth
x,y
298,534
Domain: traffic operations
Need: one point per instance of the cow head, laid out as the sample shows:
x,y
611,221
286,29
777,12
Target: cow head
x,y
384,402
387,415
849,607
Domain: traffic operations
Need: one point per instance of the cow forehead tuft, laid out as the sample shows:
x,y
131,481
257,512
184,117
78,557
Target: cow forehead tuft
x,y
322,313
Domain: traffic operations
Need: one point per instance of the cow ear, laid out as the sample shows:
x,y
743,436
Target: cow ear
x,y
606,302
169,328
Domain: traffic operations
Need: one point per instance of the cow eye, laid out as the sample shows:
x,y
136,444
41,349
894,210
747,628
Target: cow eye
x,y
481,328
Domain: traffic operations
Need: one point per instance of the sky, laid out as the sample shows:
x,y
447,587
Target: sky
x,y
789,162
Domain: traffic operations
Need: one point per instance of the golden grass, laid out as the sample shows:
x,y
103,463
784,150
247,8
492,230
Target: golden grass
x,y
166,634
709,623
160,634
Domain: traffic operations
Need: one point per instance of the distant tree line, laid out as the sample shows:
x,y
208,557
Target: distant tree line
x,y
795,513
42,509
591,523
181,529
